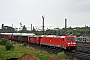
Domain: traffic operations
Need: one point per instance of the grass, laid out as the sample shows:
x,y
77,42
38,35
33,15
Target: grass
x,y
19,50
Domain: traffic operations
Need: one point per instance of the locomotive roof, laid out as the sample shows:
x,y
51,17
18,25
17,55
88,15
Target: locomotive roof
x,y
55,36
52,36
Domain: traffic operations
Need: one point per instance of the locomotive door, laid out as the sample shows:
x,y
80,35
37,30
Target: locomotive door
x,y
62,42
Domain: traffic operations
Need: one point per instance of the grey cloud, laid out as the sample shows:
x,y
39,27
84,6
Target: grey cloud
x,y
55,11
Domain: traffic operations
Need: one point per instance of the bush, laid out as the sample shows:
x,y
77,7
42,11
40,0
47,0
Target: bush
x,y
3,41
9,46
14,42
25,44
62,55
6,43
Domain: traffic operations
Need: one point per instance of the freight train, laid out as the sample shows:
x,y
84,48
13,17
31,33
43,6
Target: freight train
x,y
64,42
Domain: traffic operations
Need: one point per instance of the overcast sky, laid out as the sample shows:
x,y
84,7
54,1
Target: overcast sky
x,y
77,12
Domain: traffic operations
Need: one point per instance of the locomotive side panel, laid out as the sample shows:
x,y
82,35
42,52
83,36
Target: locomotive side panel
x,y
53,41
46,41
56,42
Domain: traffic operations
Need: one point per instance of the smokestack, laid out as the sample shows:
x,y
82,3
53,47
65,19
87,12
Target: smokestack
x,y
43,23
31,27
65,23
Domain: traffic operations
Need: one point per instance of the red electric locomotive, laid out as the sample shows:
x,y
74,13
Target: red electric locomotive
x,y
66,42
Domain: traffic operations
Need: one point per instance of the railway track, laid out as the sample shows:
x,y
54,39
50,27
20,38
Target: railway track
x,y
83,47
79,55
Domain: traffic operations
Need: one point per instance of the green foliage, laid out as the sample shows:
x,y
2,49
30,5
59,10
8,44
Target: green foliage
x,y
6,43
14,42
7,29
3,41
62,55
25,44
19,50
9,46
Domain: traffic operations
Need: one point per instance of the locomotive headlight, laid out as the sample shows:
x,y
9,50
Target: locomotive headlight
x,y
68,43
74,43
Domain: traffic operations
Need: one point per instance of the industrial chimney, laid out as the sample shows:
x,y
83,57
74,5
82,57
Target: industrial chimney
x,y
65,23
31,27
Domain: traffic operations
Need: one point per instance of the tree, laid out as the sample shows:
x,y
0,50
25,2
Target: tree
x,y
33,29
24,29
6,43
3,41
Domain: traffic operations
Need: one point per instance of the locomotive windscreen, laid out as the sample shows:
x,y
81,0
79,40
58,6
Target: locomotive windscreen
x,y
70,39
